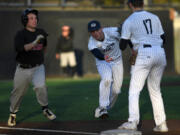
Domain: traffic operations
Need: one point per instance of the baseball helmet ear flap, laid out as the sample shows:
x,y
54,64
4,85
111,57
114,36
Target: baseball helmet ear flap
x,y
24,17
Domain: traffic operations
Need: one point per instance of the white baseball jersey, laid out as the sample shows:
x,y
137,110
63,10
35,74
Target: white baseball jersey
x,y
142,27
110,45
144,30
111,73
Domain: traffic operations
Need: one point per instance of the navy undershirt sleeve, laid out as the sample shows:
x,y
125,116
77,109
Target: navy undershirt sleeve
x,y
123,44
97,53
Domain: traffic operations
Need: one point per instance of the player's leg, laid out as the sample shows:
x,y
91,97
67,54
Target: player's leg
x,y
104,70
72,62
154,80
137,81
72,59
64,63
38,80
117,73
138,78
105,84
21,82
136,85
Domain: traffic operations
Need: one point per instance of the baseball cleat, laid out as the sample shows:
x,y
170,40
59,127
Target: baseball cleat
x,y
49,114
12,120
101,113
130,125
104,116
161,128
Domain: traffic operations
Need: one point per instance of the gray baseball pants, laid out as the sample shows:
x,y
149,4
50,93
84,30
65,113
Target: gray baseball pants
x,y
22,79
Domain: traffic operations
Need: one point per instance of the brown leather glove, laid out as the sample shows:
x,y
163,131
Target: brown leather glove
x,y
132,58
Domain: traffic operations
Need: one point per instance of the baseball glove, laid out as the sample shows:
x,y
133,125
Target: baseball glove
x,y
37,40
132,58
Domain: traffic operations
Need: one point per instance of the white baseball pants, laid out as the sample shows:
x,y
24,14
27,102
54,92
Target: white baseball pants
x,y
150,64
111,82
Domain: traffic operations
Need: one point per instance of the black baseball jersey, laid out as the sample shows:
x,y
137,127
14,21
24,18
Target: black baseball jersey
x,y
34,56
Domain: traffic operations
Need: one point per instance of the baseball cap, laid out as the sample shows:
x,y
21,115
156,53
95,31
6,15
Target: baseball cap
x,y
93,25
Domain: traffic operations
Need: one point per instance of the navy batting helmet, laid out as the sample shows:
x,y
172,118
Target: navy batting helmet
x,y
93,25
24,17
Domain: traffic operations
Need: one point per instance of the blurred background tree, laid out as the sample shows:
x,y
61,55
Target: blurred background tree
x,y
109,2
88,3
165,1
122,2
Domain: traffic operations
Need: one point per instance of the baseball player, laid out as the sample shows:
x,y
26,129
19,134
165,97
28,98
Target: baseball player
x,y
104,45
145,31
30,43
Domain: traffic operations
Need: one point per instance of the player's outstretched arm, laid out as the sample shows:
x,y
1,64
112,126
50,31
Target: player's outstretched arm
x,y
97,53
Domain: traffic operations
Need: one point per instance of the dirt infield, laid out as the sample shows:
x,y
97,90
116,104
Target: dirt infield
x,y
82,128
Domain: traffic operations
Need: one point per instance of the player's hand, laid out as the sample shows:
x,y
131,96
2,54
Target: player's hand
x,y
30,46
133,56
108,59
37,40
57,56
134,52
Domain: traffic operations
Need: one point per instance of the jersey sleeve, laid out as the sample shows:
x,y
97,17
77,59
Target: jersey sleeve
x,y
91,44
113,32
126,30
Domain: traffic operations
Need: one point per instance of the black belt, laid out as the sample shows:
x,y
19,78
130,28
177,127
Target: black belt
x,y
28,65
146,45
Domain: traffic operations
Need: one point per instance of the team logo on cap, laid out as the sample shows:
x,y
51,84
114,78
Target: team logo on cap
x,y
93,25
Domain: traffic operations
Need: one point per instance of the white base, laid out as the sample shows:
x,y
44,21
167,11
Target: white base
x,y
120,132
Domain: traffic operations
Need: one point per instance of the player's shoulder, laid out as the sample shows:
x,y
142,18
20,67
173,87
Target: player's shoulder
x,y
130,18
150,13
92,43
110,29
91,40
41,31
20,32
138,14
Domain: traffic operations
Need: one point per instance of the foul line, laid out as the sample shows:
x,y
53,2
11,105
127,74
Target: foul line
x,y
48,130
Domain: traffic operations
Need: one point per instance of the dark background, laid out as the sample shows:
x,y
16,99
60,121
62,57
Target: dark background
x,y
52,21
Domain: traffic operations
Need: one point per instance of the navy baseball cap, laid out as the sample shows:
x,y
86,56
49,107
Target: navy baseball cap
x,y
93,25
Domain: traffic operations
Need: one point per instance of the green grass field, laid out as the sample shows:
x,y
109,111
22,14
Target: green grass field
x,y
76,100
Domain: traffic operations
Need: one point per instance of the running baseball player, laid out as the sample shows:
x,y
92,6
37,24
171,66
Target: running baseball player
x,y
30,44
145,31
104,45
